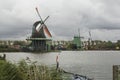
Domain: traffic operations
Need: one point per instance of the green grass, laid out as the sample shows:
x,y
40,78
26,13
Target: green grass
x,y
8,71
27,70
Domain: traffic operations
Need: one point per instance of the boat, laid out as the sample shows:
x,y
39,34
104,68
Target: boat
x,y
75,76
80,77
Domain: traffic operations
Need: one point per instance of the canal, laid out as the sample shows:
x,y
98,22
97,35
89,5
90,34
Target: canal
x,y
94,64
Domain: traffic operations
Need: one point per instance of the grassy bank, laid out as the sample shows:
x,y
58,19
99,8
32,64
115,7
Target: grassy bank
x,y
9,50
27,70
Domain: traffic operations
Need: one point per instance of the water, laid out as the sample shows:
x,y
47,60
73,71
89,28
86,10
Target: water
x,y
94,64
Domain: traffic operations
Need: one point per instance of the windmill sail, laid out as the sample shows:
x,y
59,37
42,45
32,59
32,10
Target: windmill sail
x,y
40,30
46,32
39,14
38,27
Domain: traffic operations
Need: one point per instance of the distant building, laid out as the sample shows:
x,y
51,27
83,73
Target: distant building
x,y
6,42
77,42
61,44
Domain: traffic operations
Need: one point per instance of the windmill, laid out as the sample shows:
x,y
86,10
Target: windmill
x,y
77,41
40,35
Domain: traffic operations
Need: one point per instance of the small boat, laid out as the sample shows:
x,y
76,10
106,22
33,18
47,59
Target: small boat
x,y
3,57
80,77
77,76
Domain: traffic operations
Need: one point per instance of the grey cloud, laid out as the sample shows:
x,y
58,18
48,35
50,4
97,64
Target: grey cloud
x,y
66,16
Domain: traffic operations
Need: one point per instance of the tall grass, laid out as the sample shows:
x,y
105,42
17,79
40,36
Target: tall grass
x,y
27,70
8,71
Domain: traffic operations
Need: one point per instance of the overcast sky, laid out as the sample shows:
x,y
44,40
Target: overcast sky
x,y
100,17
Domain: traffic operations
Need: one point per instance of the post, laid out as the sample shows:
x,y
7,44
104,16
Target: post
x,y
57,63
115,72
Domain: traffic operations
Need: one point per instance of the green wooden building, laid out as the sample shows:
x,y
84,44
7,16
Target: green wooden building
x,y
77,42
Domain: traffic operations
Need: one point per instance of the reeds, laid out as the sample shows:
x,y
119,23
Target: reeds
x,y
27,70
8,71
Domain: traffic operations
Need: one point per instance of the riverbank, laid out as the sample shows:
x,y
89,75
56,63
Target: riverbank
x,y
9,50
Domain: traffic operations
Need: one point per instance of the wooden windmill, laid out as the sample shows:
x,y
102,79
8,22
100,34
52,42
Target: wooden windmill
x,y
40,35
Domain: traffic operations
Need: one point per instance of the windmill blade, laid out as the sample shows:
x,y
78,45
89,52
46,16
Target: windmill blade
x,y
79,32
90,35
46,18
47,33
38,27
39,14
